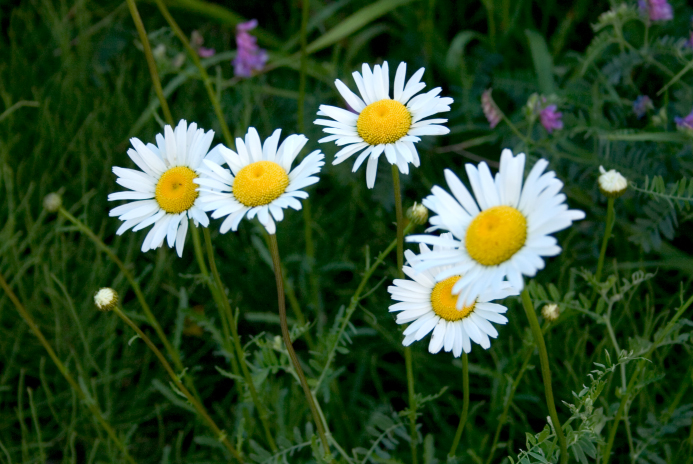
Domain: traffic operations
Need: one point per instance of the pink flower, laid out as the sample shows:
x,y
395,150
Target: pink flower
x,y
205,52
551,119
685,123
249,57
657,10
491,111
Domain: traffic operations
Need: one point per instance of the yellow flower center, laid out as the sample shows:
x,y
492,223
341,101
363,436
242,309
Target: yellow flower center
x,y
495,235
384,121
176,192
260,183
444,302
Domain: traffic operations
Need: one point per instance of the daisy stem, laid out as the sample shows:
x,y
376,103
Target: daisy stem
x,y
610,219
218,433
203,72
261,409
545,371
150,60
93,407
172,352
407,350
276,260
465,405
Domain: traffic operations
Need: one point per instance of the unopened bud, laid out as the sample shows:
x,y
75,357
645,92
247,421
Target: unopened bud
x,y
418,214
550,312
612,183
52,202
105,299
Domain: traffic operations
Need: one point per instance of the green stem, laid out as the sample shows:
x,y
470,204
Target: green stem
x,y
407,350
231,320
218,433
610,219
633,380
90,403
203,72
465,405
130,278
274,249
545,372
150,60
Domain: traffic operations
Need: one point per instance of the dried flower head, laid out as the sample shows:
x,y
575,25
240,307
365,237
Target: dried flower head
x,y
612,183
106,299
490,109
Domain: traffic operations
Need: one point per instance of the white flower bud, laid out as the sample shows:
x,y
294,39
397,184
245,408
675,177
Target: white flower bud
x,y
106,299
418,214
612,183
52,202
550,312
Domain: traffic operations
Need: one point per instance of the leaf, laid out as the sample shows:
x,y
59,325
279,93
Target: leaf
x,y
355,22
543,62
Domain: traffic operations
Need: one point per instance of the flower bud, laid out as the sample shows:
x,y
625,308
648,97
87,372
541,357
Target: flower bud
x,y
550,312
52,202
105,299
418,214
612,183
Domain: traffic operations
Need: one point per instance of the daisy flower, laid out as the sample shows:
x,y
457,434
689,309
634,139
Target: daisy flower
x,y
260,182
163,190
500,232
379,124
431,306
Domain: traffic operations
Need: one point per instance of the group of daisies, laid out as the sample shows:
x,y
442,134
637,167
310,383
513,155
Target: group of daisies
x,y
492,239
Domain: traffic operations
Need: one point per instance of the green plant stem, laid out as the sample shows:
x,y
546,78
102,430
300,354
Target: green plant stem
x,y
465,405
610,219
90,403
409,365
218,433
545,372
150,60
633,380
274,250
203,72
231,320
133,283
353,303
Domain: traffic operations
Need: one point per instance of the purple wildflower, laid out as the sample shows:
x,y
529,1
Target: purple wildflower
x,y
249,57
657,10
685,123
491,111
551,119
641,105
205,52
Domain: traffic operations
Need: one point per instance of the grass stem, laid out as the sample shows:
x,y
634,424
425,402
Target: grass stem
x,y
465,405
610,219
545,371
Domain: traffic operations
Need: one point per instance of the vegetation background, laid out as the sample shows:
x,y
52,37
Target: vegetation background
x,y
75,87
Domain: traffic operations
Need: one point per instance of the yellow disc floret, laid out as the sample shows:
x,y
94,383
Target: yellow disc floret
x,y
384,121
495,235
444,302
176,192
260,183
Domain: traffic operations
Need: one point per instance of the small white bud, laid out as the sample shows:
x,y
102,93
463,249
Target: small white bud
x,y
612,183
550,312
52,202
105,299
418,214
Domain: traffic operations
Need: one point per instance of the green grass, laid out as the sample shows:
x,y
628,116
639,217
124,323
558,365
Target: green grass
x,y
81,69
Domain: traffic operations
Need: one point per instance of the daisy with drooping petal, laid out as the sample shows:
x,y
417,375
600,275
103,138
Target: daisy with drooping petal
x,y
501,232
260,182
163,190
382,124
430,306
